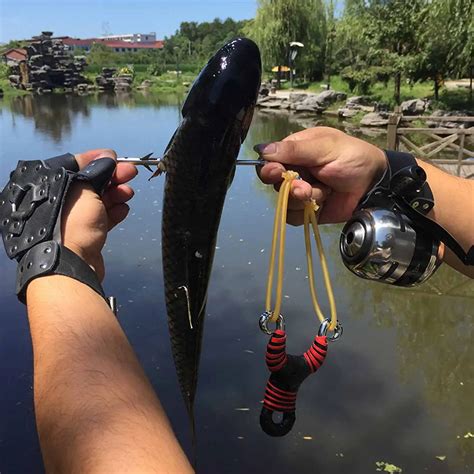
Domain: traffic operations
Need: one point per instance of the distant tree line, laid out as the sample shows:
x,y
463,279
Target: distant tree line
x,y
367,41
188,49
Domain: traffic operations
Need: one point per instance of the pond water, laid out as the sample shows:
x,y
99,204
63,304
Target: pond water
x,y
397,388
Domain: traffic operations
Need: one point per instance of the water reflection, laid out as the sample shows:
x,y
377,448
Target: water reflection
x,y
398,387
52,114
55,114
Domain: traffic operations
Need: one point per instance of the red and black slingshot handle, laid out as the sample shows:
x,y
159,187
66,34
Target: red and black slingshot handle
x,y
287,374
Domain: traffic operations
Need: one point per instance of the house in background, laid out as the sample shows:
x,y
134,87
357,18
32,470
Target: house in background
x,y
132,37
14,55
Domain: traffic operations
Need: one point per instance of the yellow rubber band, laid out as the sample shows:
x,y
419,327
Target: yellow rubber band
x,y
311,213
279,234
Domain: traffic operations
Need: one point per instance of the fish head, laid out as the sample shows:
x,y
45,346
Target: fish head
x,y
226,90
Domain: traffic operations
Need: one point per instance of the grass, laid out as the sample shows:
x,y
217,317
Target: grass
x,y
337,84
9,91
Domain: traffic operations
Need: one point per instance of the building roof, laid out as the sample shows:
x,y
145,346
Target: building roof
x,y
78,42
15,54
130,45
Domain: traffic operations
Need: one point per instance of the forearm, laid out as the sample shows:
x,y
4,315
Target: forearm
x,y
453,210
95,409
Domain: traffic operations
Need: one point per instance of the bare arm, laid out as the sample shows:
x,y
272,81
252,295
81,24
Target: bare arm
x,y
96,412
453,210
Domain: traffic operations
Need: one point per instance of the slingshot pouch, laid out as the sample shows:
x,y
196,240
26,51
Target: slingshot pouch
x,y
30,218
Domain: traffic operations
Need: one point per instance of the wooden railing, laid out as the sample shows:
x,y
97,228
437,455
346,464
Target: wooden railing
x,y
453,139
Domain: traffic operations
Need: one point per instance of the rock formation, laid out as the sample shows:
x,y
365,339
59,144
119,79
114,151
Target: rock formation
x,y
48,65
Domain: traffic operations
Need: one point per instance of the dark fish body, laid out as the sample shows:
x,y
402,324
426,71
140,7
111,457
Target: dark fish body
x,y
200,163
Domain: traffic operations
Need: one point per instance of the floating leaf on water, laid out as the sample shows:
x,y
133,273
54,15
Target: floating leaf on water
x,y
307,437
441,458
383,466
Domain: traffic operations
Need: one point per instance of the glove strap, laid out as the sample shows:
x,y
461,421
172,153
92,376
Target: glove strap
x,y
50,258
402,177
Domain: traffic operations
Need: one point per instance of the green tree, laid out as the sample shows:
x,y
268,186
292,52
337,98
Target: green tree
x,y
446,41
390,28
101,55
330,38
279,22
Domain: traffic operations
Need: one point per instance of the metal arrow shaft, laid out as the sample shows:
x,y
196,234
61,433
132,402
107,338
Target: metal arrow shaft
x,y
151,161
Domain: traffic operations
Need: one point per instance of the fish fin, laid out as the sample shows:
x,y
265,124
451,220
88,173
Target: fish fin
x,y
231,177
203,306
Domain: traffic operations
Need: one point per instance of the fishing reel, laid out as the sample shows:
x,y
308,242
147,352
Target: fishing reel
x,y
384,245
389,238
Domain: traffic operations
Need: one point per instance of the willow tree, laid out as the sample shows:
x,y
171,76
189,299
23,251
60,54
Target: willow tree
x,y
280,22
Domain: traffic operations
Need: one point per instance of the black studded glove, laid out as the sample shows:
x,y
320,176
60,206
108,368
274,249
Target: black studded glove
x,y
30,218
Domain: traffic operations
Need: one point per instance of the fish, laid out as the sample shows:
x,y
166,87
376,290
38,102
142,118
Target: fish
x,y
200,163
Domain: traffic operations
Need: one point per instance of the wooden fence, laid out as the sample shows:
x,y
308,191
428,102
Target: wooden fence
x,y
458,140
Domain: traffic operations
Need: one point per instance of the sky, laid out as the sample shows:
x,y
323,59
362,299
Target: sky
x,y
21,19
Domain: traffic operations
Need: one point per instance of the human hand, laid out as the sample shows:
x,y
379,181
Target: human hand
x,y
87,217
336,170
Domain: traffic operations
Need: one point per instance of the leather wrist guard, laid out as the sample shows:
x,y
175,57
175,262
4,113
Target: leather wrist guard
x,y
30,218
403,178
